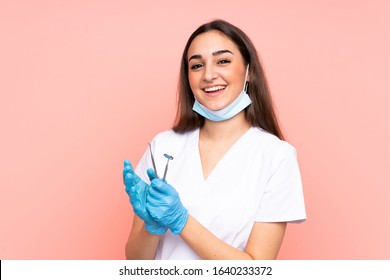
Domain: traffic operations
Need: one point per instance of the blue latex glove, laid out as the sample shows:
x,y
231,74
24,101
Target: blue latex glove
x,y
164,205
138,191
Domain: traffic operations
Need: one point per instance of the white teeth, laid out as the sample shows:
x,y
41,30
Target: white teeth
x,y
214,88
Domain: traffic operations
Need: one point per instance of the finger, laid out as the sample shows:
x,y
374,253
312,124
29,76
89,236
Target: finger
x,y
131,180
161,186
126,170
135,199
136,206
151,174
127,163
153,200
153,212
133,192
155,191
157,183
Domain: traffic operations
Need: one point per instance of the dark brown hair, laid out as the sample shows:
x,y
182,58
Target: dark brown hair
x,y
259,114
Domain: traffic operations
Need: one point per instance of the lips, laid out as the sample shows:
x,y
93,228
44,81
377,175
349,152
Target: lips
x,y
214,89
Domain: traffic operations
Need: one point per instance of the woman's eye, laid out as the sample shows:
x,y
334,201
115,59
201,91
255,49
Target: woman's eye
x,y
196,66
224,61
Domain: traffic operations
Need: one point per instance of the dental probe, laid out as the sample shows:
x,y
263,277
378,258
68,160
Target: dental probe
x,y
154,164
166,166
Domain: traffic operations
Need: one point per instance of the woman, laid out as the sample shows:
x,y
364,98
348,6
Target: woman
x,y
233,183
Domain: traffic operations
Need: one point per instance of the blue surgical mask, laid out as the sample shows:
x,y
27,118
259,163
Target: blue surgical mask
x,y
242,101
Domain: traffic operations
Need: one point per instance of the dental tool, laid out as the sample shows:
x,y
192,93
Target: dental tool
x,y
154,164
168,157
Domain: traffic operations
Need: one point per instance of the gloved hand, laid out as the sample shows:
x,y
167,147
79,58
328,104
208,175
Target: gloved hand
x,y
164,205
138,191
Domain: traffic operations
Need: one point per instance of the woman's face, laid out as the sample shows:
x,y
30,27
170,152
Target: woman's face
x,y
216,70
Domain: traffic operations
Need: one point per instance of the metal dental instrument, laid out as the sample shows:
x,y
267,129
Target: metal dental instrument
x,y
166,166
154,164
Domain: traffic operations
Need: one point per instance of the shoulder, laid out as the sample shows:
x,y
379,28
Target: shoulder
x,y
270,143
171,136
270,149
173,143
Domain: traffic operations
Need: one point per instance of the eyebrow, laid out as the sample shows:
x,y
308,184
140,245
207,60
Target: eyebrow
x,y
198,56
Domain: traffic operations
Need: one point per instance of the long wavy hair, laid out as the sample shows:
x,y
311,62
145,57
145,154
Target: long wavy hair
x,y
259,114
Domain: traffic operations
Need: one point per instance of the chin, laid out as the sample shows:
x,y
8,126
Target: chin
x,y
215,108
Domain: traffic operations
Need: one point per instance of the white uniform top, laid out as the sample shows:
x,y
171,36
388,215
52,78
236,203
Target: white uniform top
x,y
257,180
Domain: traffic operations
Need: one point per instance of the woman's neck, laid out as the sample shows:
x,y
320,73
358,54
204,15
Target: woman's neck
x,y
233,127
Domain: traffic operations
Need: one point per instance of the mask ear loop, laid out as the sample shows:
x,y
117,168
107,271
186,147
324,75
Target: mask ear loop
x,y
246,79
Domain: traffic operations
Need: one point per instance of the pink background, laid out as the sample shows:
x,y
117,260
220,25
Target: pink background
x,y
86,84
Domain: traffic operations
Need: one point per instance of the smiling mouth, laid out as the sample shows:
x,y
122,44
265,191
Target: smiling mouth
x,y
214,89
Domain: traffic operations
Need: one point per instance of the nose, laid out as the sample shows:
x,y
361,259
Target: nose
x,y
209,73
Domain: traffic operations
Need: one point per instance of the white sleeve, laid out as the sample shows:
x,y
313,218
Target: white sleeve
x,y
144,164
283,199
